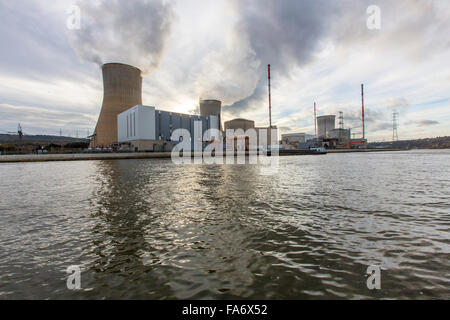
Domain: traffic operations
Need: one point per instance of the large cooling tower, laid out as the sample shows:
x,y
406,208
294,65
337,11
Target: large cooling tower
x,y
122,89
325,124
211,108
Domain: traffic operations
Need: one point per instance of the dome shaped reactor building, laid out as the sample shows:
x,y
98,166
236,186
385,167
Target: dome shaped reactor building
x,y
122,89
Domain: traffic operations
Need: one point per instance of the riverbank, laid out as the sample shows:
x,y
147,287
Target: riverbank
x,y
366,150
130,155
81,156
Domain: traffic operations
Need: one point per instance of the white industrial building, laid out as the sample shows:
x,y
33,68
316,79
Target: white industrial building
x,y
144,128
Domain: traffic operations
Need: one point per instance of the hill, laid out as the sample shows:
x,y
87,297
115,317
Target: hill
x,y
40,139
427,143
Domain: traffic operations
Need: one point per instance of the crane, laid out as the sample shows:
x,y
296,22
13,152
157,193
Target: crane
x,y
19,132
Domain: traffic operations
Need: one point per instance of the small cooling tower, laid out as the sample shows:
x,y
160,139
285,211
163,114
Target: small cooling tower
x,y
211,108
122,89
325,124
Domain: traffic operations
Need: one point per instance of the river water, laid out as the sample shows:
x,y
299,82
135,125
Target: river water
x,y
150,229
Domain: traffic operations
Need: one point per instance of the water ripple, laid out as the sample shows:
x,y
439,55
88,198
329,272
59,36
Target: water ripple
x,y
147,229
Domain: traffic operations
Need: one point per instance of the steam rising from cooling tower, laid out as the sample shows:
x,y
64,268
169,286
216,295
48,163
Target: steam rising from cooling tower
x,y
122,89
291,34
133,32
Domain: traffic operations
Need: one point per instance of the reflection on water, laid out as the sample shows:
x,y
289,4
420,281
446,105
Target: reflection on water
x,y
149,229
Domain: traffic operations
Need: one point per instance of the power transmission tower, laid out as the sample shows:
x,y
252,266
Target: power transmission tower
x,y
394,126
20,133
341,120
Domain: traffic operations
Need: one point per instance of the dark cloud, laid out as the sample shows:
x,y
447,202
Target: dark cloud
x,y
284,129
288,34
284,34
381,127
251,102
132,32
353,114
424,123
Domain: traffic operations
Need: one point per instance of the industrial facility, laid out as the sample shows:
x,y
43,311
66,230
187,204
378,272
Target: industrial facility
x,y
328,136
125,124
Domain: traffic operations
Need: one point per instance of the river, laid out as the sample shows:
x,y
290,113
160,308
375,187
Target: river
x,y
151,229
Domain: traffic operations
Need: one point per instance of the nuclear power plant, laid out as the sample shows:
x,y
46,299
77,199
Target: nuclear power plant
x,y
326,134
122,89
125,123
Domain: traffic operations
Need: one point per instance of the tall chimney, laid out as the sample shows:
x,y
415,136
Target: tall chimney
x,y
122,89
362,112
270,98
315,122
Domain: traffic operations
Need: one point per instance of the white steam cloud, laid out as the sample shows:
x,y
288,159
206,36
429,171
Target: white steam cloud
x,y
131,32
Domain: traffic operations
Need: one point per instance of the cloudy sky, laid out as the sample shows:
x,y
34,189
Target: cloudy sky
x,y
320,51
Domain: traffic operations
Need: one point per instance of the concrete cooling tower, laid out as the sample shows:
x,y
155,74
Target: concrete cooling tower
x,y
122,89
211,108
325,124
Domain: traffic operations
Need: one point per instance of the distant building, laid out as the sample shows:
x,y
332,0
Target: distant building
x,y
342,137
239,123
296,140
357,143
244,125
296,137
